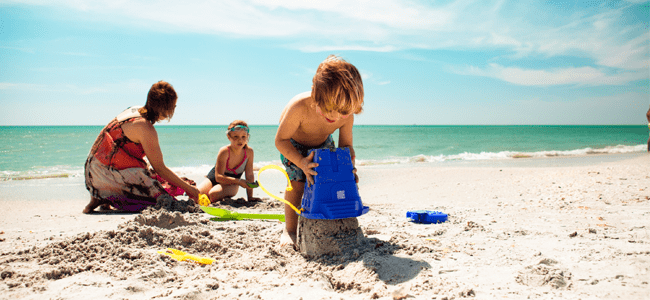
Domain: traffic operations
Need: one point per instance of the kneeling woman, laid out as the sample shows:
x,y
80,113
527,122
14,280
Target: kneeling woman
x,y
116,173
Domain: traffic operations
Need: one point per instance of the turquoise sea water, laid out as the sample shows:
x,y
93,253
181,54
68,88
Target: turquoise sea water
x,y
50,151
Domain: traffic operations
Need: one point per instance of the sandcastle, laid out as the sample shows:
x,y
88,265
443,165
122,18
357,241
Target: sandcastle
x,y
328,223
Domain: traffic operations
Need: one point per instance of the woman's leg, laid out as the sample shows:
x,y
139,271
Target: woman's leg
x,y
94,202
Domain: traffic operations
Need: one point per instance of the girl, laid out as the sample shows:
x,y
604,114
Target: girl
x,y
232,161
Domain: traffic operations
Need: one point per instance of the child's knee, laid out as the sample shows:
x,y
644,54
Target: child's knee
x,y
232,191
214,196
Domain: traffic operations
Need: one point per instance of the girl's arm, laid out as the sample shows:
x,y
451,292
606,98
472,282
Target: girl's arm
x,y
250,176
143,132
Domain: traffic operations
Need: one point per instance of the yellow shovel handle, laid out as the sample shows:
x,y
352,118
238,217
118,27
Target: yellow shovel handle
x,y
289,188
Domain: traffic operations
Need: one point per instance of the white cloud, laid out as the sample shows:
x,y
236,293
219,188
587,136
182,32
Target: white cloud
x,y
558,76
7,86
330,48
597,33
395,14
21,49
630,55
107,88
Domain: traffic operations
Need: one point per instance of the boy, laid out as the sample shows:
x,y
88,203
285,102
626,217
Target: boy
x,y
308,121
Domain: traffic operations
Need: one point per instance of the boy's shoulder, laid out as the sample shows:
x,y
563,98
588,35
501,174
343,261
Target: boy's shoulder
x,y
300,100
297,106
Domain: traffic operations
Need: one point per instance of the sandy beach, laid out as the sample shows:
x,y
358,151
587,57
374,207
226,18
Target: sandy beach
x,y
520,229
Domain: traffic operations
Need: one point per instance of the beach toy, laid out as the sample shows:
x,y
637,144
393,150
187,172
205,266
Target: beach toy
x,y
171,189
175,191
264,168
426,216
254,184
182,256
225,215
204,200
334,194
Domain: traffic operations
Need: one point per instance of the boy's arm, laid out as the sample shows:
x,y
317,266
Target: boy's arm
x,y
345,140
288,126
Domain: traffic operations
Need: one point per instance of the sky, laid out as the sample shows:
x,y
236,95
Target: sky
x,y
464,62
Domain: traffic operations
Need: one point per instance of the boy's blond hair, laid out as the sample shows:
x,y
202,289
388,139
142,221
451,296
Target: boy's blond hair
x,y
337,86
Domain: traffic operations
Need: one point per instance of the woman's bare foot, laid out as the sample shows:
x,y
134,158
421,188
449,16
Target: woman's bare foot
x,y
105,207
287,238
94,202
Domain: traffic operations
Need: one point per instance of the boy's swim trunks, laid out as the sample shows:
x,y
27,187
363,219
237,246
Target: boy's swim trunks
x,y
295,173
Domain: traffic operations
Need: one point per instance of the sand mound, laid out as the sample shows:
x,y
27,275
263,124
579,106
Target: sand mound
x,y
168,203
130,251
264,203
545,273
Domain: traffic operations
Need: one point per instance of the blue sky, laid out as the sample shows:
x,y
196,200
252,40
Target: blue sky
x,y
75,62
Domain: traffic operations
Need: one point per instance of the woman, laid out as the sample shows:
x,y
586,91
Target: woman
x,y
116,173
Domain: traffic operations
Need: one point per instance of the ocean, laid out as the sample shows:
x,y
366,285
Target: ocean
x,y
39,152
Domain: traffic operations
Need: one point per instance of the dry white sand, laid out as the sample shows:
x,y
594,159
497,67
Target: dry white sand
x,y
524,229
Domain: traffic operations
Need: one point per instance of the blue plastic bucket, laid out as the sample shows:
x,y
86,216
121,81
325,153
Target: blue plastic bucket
x,y
334,194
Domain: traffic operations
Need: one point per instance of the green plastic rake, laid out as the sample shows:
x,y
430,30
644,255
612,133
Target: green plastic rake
x,y
225,215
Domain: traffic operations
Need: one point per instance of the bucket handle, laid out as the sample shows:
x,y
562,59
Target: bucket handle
x,y
289,188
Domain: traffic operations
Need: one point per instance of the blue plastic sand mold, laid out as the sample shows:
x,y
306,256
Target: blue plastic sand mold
x,y
334,194
426,216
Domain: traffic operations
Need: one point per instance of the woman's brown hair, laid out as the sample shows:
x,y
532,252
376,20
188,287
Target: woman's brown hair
x,y
161,102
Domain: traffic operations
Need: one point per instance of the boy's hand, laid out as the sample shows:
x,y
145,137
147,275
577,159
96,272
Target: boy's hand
x,y
307,166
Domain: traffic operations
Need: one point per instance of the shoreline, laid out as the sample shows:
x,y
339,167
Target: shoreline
x,y
572,229
551,160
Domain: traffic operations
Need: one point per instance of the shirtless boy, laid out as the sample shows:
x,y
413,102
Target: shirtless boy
x,y
308,121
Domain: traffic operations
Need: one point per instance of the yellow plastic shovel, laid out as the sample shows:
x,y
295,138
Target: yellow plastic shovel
x,y
181,256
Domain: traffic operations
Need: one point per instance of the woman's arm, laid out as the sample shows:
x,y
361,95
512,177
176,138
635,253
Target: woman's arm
x,y
143,132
